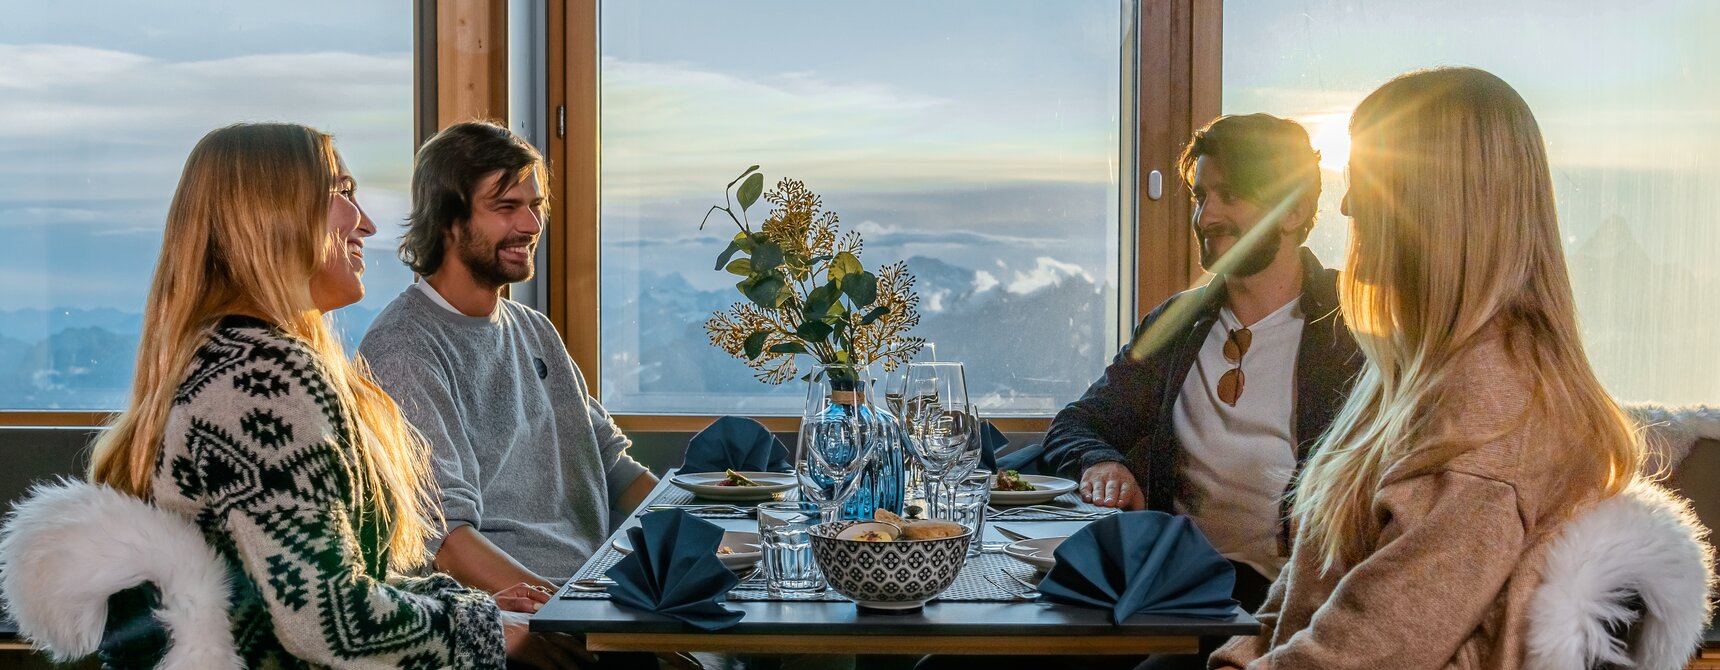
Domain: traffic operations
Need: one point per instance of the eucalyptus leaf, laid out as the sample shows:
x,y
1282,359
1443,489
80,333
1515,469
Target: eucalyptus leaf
x,y
754,346
813,331
844,264
743,176
819,302
739,266
765,290
729,251
749,191
862,288
874,315
766,257
788,348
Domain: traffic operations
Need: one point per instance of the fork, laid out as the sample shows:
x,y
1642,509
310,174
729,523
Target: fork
x,y
1059,512
711,509
1017,593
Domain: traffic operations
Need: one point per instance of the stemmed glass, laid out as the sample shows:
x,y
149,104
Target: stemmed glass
x,y
942,425
839,435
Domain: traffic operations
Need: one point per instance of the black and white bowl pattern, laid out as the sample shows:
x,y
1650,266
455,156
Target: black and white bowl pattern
x,y
900,575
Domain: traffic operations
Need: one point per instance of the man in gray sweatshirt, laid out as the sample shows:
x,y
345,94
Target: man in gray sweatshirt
x,y
529,464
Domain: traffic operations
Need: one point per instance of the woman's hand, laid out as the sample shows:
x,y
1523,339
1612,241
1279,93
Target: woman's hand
x,y
1112,485
522,597
542,650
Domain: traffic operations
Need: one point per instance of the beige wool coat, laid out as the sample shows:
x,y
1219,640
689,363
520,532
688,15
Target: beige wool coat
x,y
1449,581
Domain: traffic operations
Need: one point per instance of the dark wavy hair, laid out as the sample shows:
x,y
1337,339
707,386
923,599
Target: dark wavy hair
x,y
1266,158
445,176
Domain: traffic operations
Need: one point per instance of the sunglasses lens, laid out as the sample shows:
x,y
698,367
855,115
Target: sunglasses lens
x,y
1243,338
1230,386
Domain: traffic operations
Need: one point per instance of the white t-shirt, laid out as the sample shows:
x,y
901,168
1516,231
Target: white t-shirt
x,y
437,297
1240,459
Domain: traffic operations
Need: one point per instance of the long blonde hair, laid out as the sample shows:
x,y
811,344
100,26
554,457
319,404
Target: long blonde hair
x,y
1454,233
247,229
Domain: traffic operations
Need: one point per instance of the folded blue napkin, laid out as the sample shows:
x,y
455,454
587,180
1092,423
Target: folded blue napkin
x,y
991,440
735,443
1023,461
1142,563
674,571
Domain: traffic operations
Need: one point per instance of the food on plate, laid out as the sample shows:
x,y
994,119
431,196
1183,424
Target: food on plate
x,y
736,479
725,550
888,516
1010,480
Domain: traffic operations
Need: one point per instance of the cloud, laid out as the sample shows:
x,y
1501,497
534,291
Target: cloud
x,y
1046,272
678,129
983,281
119,125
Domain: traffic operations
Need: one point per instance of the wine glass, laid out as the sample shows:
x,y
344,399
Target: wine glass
x,y
838,437
942,425
896,382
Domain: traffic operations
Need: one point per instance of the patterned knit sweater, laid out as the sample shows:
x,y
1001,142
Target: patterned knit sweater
x,y
253,455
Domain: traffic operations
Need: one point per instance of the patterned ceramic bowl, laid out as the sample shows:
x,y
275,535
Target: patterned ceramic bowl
x,y
899,575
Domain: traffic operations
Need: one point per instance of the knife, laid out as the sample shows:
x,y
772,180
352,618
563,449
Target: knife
x,y
1013,535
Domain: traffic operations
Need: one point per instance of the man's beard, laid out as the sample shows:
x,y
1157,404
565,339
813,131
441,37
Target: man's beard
x,y
485,262
1256,253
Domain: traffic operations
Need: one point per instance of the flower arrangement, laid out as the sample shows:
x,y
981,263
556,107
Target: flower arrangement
x,y
806,290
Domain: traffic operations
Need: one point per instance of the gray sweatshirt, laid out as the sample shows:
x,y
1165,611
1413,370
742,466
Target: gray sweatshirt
x,y
522,452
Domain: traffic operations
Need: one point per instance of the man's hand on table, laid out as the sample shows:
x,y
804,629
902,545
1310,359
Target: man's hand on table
x,y
1112,485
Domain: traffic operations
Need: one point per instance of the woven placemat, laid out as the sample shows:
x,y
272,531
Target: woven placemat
x,y
1069,503
975,582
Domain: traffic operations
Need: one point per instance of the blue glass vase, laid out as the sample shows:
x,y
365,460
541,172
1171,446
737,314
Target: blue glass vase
x,y
882,484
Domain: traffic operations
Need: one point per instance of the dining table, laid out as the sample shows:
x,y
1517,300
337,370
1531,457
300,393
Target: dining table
x,y
990,609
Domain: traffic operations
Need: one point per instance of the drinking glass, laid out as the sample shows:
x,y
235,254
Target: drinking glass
x,y
942,426
968,500
785,540
838,436
913,475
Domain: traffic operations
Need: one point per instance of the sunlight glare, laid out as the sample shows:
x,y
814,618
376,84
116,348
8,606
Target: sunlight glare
x,y
1330,135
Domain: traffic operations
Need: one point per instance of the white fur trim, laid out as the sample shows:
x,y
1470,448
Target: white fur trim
x,y
1644,541
66,547
1670,432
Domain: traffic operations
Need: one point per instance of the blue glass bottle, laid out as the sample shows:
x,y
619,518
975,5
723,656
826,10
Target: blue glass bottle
x,y
881,485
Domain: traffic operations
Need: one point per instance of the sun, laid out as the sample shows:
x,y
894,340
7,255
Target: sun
x,y
1330,134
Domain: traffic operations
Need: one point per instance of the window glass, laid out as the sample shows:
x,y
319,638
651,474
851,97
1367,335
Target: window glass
x,y
1628,98
101,101
975,140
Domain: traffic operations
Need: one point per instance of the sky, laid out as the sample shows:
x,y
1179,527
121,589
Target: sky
x,y
97,116
981,132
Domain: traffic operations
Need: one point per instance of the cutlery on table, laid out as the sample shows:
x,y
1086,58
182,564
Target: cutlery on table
x,y
1012,534
711,509
1059,512
1031,586
1016,591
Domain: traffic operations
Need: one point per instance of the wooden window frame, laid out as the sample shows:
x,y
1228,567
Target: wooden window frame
x,y
460,72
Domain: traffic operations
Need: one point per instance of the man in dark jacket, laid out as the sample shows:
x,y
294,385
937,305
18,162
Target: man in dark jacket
x,y
1214,406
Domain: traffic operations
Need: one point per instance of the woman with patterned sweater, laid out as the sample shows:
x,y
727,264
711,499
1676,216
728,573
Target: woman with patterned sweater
x,y
247,419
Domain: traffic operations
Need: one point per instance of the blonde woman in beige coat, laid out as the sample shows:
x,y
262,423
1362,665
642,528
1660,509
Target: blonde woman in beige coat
x,y
1477,426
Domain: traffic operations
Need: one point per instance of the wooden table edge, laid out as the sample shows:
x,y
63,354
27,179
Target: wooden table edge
x,y
890,644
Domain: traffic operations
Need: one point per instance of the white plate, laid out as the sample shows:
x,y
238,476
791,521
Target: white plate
x,y
703,484
743,545
1036,552
1045,489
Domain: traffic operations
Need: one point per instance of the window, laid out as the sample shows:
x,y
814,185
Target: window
x,y
99,104
1628,98
976,140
